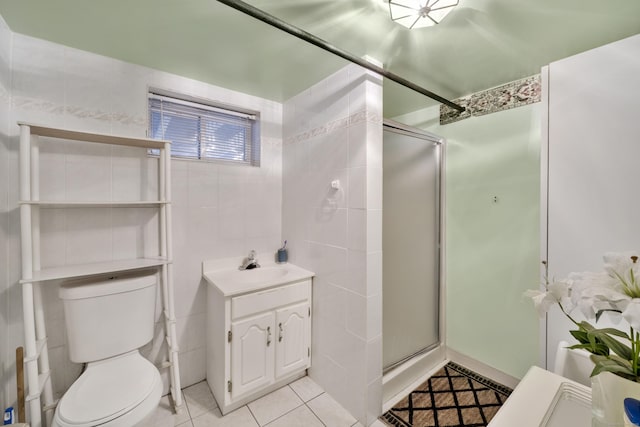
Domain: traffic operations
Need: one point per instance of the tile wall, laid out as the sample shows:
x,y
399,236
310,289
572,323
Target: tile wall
x,y
6,353
333,131
219,210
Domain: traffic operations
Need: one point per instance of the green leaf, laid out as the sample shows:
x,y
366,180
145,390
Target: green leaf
x,y
580,336
599,349
586,346
586,326
607,365
616,346
596,347
597,359
622,362
611,331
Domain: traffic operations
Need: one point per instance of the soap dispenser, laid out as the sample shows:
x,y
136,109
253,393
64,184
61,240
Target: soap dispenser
x,y
631,412
282,256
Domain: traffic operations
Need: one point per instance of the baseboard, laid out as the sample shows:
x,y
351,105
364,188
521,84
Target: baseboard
x,y
399,382
482,368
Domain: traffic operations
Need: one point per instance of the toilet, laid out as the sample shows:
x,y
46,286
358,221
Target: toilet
x,y
107,321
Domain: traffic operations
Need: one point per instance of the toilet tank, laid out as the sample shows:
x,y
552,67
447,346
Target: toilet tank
x,y
109,316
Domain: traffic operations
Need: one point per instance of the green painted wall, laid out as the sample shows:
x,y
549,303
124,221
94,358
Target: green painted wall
x,y
492,248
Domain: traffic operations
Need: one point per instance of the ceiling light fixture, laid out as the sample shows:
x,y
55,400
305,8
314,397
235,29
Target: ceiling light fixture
x,y
420,13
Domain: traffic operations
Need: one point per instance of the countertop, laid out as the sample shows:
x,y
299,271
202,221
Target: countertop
x,y
535,394
225,277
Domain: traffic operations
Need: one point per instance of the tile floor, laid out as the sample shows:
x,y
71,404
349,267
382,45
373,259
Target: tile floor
x,y
300,404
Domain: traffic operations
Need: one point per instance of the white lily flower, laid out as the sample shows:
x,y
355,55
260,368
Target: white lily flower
x,y
542,301
614,317
588,279
586,286
616,292
626,270
632,313
558,292
598,298
561,291
620,263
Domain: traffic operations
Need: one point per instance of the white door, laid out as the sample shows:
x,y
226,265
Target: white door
x,y
593,169
410,245
252,353
293,334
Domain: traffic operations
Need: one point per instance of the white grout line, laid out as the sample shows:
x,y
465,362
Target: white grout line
x,y
311,410
250,411
190,420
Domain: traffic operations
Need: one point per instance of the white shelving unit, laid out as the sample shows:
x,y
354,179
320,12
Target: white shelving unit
x,y
40,392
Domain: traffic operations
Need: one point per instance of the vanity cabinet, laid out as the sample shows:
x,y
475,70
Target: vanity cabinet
x,y
293,348
257,341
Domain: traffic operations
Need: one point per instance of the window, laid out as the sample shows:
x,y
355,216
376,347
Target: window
x,y
204,132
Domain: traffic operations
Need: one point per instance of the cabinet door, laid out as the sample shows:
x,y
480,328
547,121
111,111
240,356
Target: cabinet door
x,y
293,335
252,354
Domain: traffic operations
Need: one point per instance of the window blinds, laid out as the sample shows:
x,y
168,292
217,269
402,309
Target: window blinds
x,y
199,131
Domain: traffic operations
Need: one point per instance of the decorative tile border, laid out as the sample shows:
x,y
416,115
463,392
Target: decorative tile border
x,y
34,104
357,117
511,95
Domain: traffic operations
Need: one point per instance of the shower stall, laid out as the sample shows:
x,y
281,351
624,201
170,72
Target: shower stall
x,y
411,239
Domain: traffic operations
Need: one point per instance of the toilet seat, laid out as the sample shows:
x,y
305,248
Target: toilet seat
x,y
110,389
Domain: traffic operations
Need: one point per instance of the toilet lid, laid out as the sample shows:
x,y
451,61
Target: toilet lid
x,y
108,389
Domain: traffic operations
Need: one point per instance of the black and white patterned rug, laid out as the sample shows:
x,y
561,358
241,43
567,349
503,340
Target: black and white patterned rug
x,y
453,397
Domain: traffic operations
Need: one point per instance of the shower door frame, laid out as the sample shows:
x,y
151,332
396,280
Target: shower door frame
x,y
439,276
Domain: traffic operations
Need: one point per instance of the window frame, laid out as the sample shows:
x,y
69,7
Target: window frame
x,y
252,146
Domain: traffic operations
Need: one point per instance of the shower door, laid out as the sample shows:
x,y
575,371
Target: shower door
x,y
410,240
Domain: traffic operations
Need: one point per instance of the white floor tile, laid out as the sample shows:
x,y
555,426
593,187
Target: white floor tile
x,y
164,415
274,405
281,408
330,412
199,399
376,423
306,388
239,418
301,416
183,416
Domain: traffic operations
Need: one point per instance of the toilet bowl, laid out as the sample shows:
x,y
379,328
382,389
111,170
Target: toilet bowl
x,y
107,321
121,391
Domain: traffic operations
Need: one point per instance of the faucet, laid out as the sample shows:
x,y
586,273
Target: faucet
x,y
249,262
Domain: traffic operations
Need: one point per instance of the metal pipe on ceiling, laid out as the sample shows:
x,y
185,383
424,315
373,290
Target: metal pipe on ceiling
x,y
316,41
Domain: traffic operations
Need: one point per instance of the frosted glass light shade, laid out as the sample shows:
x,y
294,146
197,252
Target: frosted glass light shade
x,y
420,13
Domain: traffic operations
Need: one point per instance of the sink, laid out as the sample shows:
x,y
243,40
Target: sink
x,y
230,281
257,275
545,399
570,407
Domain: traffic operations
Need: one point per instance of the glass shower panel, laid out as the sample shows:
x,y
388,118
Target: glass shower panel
x,y
410,233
